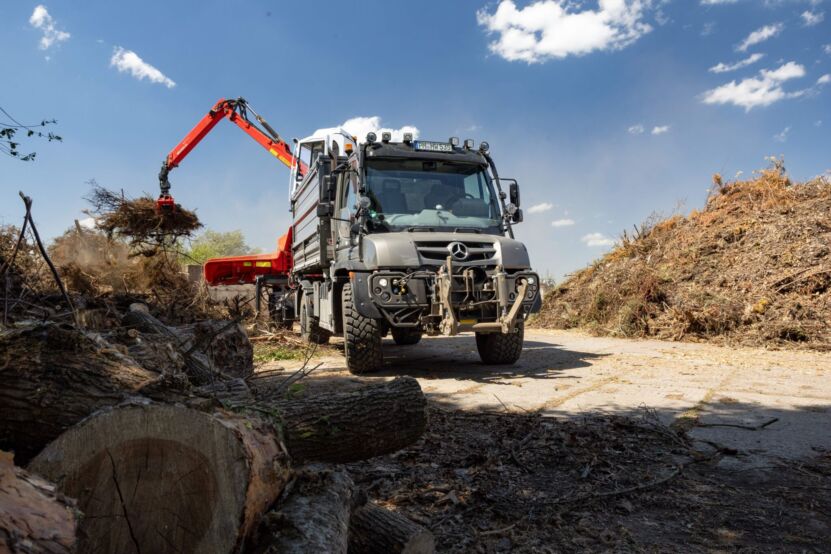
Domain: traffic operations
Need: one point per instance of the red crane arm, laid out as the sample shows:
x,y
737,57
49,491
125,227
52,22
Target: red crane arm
x,y
237,112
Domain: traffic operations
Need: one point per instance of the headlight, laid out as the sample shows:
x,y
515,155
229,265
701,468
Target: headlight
x,y
382,282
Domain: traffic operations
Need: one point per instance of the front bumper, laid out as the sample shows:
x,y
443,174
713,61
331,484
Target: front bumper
x,y
448,300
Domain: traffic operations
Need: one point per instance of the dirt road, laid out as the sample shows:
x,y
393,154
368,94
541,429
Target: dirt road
x,y
764,404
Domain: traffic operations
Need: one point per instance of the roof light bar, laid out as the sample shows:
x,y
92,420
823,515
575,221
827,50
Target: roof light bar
x,y
371,137
408,138
468,144
454,141
386,136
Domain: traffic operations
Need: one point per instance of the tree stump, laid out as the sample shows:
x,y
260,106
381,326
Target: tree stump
x,y
374,530
164,478
52,377
33,518
355,425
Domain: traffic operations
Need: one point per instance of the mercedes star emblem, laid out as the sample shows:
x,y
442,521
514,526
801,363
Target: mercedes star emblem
x,y
458,250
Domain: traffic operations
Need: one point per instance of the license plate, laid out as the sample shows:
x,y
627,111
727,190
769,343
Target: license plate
x,y
429,146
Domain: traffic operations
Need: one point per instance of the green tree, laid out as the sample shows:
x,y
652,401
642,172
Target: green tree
x,y
215,244
12,130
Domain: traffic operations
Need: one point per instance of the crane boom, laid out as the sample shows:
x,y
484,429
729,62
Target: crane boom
x,y
235,111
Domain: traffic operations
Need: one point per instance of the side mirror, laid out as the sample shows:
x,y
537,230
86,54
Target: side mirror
x,y
355,229
514,194
517,217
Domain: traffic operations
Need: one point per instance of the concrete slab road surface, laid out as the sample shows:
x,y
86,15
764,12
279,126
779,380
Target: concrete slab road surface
x,y
765,404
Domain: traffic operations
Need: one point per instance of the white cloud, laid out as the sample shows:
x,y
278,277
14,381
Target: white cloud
x,y
724,67
127,61
717,2
360,126
555,29
636,129
783,135
87,223
809,18
660,129
827,49
597,239
818,123
824,80
763,90
40,19
562,222
541,207
760,35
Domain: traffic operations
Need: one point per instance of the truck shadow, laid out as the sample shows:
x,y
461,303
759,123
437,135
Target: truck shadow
x,y
457,358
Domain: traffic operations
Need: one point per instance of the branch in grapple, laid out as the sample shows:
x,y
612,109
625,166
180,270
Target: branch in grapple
x,y
138,220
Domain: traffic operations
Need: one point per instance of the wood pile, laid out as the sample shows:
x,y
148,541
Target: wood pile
x,y
153,441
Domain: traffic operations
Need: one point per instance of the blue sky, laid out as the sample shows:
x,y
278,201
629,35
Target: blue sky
x,y
605,112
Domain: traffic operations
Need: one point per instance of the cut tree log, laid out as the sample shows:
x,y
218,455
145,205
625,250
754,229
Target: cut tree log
x,y
197,365
224,342
52,377
314,517
355,425
374,530
210,348
33,517
164,478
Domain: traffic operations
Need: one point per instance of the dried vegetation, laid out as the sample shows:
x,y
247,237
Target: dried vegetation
x,y
526,483
132,256
753,267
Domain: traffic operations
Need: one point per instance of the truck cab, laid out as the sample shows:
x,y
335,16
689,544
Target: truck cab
x,y
408,238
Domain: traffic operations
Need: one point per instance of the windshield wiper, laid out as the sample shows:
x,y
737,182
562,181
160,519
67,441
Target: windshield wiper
x,y
426,229
467,230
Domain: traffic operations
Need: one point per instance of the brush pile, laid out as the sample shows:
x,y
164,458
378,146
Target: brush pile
x,y
752,268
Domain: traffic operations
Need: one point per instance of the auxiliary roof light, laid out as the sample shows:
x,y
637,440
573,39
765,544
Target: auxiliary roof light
x,y
484,147
408,138
386,136
454,141
371,137
468,144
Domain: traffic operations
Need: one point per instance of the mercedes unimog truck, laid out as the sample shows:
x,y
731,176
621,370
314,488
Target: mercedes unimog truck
x,y
406,238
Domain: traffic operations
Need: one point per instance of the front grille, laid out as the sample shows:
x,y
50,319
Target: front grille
x,y
437,251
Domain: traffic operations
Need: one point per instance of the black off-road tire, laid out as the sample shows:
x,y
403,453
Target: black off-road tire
x,y
361,337
406,336
310,331
499,349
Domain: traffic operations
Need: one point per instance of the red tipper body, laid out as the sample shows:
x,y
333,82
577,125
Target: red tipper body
x,y
242,270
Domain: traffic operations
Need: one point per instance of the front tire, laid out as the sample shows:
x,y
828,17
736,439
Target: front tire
x,y
361,337
406,336
499,349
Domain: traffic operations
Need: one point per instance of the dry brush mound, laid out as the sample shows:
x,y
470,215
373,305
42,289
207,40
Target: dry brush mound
x,y
753,267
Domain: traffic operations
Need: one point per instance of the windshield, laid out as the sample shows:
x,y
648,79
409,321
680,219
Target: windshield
x,y
419,193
